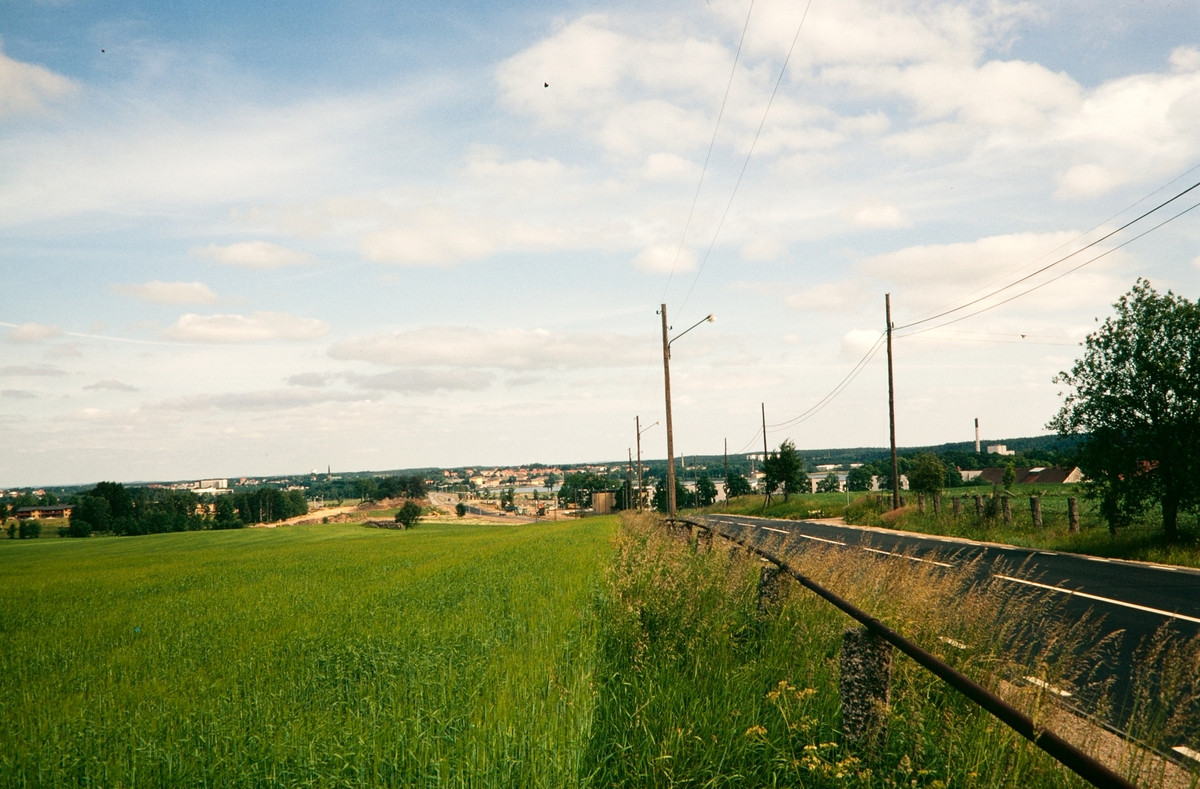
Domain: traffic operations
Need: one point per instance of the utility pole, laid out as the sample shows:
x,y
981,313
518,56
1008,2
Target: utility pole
x,y
629,476
670,433
727,471
766,485
887,302
637,423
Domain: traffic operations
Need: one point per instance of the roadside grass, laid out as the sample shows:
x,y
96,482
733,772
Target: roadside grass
x,y
1142,541
697,689
311,655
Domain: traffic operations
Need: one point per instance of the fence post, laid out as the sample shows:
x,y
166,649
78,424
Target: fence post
x,y
937,504
1035,509
903,502
921,503
978,505
704,539
957,503
865,687
1073,513
1006,508
770,584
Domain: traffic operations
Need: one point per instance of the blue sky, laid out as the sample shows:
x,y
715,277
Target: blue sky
x,y
262,238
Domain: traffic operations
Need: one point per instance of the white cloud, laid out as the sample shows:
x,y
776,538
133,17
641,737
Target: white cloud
x,y
265,400
432,237
253,254
256,327
1185,59
157,292
112,385
763,248
309,379
882,215
33,332
1087,180
512,349
424,381
665,258
830,297
36,370
25,87
857,342
663,166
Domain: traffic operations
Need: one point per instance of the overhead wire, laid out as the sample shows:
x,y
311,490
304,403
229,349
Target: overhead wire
x,y
720,114
746,163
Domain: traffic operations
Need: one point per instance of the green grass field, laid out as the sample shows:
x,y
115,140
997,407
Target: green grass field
x,y
307,656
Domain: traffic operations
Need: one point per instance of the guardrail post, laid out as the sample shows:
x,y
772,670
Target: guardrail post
x,y
978,506
770,586
957,503
1035,510
865,687
1006,508
937,504
1072,513
921,503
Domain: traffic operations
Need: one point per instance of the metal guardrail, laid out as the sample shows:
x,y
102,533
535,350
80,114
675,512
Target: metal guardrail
x,y
1071,757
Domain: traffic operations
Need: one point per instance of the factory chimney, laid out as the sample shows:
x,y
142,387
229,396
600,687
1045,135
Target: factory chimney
x,y
976,435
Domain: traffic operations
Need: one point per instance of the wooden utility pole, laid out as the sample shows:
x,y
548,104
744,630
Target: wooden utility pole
x,y
887,302
766,485
637,422
629,476
727,471
670,433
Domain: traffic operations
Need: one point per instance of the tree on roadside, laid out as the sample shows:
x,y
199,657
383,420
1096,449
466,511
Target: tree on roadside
x,y
737,485
460,509
859,479
1135,401
785,469
408,513
706,491
927,475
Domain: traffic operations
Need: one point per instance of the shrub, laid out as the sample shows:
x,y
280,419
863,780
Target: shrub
x,y
11,530
30,529
408,514
460,509
78,528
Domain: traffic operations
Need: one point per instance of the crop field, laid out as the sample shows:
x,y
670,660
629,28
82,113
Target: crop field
x,y
308,656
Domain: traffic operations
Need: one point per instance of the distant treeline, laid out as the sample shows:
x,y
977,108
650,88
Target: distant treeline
x,y
370,488
110,507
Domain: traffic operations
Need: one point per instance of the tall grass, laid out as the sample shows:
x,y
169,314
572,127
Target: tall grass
x,y
696,689
317,656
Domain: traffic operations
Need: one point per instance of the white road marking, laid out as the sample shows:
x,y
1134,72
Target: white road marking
x,y
1161,567
1135,606
1047,553
910,558
1047,686
1183,750
819,539
952,642
1096,559
777,531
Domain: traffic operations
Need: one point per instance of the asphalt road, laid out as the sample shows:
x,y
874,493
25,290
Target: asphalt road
x,y
1131,596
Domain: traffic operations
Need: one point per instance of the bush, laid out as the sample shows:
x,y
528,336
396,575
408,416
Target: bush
x,y
408,514
30,529
78,528
11,530
460,509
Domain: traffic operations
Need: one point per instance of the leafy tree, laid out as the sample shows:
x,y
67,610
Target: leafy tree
x,y
830,484
92,513
706,491
408,514
11,531
928,474
580,487
3,512
1136,404
508,498
460,509
859,479
226,515
551,480
785,469
1010,475
30,529
683,497
48,499
737,485
367,488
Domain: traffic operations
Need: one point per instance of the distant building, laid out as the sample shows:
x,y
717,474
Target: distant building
x,y
1000,449
1041,475
604,502
45,511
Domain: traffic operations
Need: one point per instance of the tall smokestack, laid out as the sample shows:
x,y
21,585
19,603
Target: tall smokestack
x,y
976,435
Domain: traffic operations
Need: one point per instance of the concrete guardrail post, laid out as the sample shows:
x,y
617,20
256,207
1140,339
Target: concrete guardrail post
x,y
1072,513
1035,510
865,688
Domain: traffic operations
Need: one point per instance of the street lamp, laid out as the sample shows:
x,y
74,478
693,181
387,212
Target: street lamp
x,y
667,387
637,423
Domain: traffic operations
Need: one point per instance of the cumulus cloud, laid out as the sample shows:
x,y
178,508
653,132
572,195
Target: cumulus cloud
x,y
33,332
253,255
112,385
32,370
309,379
512,349
26,87
424,380
157,292
432,237
256,327
882,215
265,400
661,259
763,248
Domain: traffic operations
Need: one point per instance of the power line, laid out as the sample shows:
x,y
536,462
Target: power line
x,y
837,390
708,156
1059,276
749,153
1055,263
